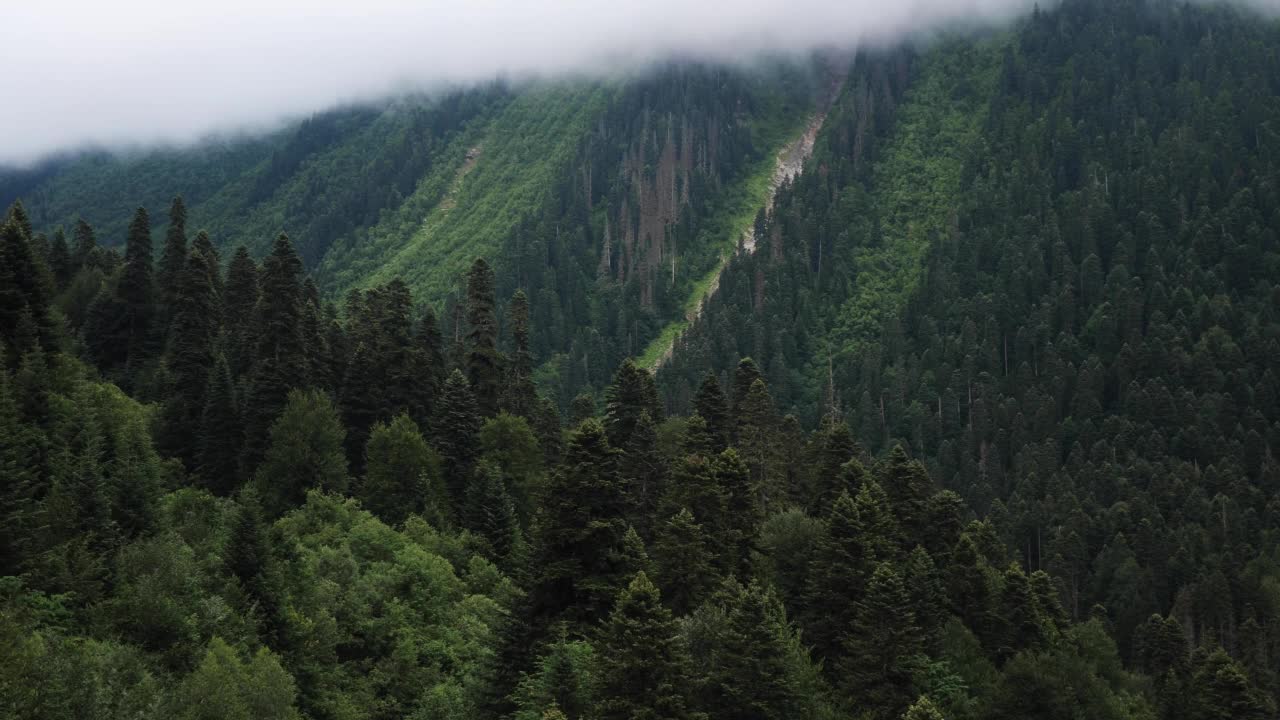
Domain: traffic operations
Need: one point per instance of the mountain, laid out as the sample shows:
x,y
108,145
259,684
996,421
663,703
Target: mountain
x,y
927,381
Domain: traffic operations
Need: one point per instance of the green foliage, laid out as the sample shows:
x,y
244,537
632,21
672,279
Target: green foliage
x,y
403,475
305,453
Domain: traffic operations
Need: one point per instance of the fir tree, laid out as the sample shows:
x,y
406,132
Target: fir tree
x,y
136,293
711,405
520,397
238,309
85,245
842,563
490,514
644,669
683,562
884,648
279,363
430,370
221,433
25,294
459,421
752,678
190,356
484,365
59,260
632,394
173,257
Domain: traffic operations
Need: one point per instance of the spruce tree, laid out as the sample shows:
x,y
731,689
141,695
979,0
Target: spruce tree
x,y
430,370
173,257
645,671
751,677
190,356
581,531
279,362
483,363
520,397
885,647
459,421
711,404
25,295
221,433
137,293
632,394
742,512
842,563
238,308
85,245
490,514
1220,690
59,260
683,557
909,488
744,376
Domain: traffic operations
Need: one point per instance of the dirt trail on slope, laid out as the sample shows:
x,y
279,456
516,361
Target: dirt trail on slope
x,y
788,164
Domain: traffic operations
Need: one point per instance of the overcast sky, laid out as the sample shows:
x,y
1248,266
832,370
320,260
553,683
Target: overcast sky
x,y
74,72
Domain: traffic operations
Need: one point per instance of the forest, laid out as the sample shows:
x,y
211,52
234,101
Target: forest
x,y
985,426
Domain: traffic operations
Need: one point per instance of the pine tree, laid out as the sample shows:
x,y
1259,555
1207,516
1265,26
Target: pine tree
x,y
711,404
885,647
644,669
239,305
459,421
221,433
173,257
279,363
683,562
484,364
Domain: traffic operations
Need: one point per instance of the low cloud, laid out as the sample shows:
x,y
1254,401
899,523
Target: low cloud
x,y
78,72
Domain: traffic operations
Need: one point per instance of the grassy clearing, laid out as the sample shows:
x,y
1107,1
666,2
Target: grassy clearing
x,y
917,184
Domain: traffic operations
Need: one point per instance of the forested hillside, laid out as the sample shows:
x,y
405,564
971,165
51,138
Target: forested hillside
x,y
983,425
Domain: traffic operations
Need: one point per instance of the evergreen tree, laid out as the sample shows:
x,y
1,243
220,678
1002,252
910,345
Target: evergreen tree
x,y
1220,690
742,512
683,562
644,669
190,356
752,678
239,305
520,397
490,514
459,421
711,405
632,394
580,533
279,360
136,294
59,260
884,649
922,709
25,294
85,245
173,257
483,363
221,433
744,376
842,563
431,370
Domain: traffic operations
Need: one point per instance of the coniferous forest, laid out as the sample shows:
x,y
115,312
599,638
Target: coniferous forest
x,y
364,418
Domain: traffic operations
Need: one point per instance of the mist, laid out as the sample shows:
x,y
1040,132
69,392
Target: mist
x,y
143,72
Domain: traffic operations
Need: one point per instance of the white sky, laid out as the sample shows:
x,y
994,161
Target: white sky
x,y
122,72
